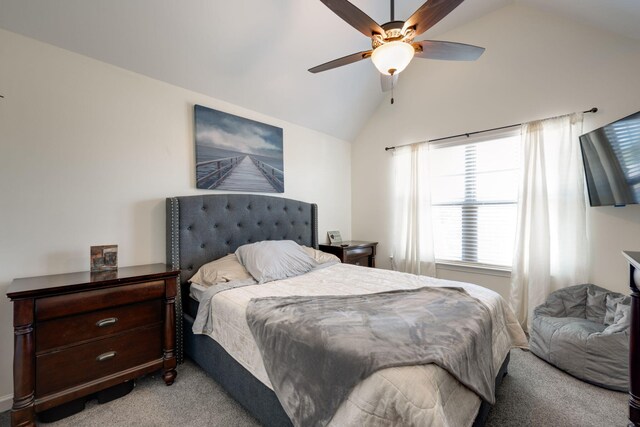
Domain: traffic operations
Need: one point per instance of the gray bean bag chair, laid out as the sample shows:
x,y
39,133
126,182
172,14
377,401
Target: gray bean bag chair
x,y
584,330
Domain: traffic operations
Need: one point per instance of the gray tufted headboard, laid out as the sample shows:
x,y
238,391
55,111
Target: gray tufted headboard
x,y
203,228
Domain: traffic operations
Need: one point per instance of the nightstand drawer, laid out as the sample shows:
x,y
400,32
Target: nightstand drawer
x,y
83,327
352,254
82,302
59,370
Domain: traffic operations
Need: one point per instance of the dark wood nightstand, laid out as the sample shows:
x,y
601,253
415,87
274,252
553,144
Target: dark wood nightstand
x,y
83,333
353,252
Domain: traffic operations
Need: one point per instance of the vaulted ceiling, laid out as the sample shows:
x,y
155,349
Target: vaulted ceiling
x,y
255,53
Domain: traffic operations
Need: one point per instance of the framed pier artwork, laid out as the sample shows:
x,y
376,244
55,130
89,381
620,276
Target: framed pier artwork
x,y
237,154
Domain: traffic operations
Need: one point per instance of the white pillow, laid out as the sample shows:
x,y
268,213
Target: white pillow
x,y
320,257
274,260
225,269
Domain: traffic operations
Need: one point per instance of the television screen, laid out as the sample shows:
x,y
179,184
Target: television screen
x,y
611,157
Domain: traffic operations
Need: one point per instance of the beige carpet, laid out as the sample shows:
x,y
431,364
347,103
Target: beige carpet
x,y
533,394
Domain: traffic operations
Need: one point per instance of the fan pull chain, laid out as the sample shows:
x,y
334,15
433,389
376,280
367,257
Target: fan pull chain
x,y
392,86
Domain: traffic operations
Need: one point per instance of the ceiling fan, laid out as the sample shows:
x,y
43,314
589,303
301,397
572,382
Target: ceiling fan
x,y
392,43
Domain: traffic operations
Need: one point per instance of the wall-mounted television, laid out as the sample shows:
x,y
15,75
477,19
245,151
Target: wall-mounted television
x,y
611,156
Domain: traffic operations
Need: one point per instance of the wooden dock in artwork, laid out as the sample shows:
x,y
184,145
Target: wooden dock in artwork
x,y
239,173
246,177
242,173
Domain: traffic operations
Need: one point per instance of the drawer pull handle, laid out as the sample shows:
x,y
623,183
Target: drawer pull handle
x,y
106,356
106,322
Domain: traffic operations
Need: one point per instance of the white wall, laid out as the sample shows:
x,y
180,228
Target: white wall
x,y
535,66
88,153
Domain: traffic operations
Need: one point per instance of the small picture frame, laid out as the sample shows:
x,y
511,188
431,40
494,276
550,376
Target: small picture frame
x,y
334,237
104,258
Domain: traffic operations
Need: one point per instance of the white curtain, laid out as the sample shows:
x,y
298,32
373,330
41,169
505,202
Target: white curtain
x,y
551,246
412,250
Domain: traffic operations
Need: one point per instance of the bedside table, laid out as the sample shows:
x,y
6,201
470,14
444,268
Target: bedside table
x,y
353,252
83,333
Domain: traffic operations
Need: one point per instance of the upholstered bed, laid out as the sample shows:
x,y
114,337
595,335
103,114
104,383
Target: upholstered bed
x,y
208,227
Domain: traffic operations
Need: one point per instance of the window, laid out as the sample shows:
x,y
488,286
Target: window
x,y
474,194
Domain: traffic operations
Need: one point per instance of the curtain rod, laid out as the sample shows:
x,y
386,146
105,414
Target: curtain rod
x,y
592,110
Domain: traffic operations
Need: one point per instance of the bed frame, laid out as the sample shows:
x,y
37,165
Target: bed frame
x,y
206,227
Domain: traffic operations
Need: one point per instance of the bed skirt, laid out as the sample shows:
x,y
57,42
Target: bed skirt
x,y
258,399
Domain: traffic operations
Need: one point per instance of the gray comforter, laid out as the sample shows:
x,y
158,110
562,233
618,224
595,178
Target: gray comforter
x,y
316,349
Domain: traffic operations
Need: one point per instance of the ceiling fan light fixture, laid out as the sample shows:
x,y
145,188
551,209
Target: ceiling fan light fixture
x,y
392,57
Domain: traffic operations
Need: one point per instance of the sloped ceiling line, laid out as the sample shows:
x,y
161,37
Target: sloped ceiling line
x,y
255,53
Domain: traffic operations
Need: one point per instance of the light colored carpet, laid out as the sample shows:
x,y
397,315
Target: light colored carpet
x,y
193,400
533,394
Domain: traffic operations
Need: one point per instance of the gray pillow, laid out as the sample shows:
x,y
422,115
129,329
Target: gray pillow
x,y
623,314
274,260
612,303
596,306
622,319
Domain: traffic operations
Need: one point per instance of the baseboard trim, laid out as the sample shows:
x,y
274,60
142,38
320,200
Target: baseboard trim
x,y
6,402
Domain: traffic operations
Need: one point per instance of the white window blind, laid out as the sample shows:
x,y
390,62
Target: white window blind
x,y
474,196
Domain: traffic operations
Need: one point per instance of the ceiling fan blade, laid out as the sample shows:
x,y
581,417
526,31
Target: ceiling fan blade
x,y
429,14
345,60
354,17
388,82
450,51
